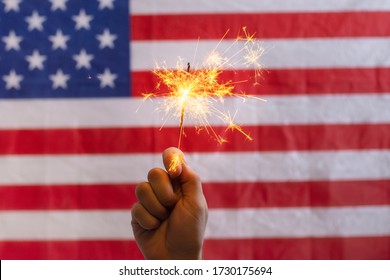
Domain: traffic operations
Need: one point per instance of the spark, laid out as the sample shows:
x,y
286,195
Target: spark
x,y
194,93
233,126
176,160
253,52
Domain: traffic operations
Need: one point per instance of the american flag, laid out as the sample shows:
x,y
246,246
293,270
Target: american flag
x,y
76,136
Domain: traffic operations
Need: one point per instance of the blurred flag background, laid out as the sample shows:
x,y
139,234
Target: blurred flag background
x,y
76,136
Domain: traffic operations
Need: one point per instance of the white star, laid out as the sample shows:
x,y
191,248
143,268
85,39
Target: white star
x,y
107,78
12,80
109,4
83,59
12,41
35,60
82,20
58,4
11,5
106,39
59,79
35,21
59,40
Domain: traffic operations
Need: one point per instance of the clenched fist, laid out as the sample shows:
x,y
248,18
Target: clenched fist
x,y
170,217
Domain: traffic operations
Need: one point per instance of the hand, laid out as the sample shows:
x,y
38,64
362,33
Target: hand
x,y
170,217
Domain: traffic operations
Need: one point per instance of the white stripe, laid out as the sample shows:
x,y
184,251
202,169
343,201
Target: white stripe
x,y
75,169
286,53
122,112
212,167
141,7
222,223
65,225
299,222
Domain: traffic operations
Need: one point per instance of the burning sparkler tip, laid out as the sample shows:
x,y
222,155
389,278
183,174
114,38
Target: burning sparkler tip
x,y
195,93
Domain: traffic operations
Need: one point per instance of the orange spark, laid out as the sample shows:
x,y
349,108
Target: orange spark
x,y
194,93
176,160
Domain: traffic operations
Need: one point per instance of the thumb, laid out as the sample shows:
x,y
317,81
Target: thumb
x,y
178,170
173,160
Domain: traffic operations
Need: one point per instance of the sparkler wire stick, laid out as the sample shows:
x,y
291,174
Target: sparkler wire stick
x,y
182,114
181,124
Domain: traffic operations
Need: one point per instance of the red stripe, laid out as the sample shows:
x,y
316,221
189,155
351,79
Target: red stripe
x,y
290,81
300,248
265,26
69,250
297,194
218,195
67,197
127,140
292,248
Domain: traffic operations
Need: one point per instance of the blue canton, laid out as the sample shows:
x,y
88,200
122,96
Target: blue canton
x,y
64,48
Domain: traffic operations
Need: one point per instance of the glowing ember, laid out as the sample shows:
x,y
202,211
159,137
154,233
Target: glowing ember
x,y
194,93
176,160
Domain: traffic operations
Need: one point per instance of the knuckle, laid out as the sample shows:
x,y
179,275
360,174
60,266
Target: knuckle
x,y
136,210
142,190
154,174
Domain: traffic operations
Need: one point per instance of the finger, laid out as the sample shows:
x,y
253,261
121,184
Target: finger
x,y
190,181
162,187
143,217
148,199
173,159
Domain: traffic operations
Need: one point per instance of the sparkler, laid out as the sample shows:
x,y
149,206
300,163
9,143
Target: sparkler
x,y
194,93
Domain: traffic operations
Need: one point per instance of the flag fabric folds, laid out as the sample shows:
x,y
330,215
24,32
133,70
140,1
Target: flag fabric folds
x,y
76,134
